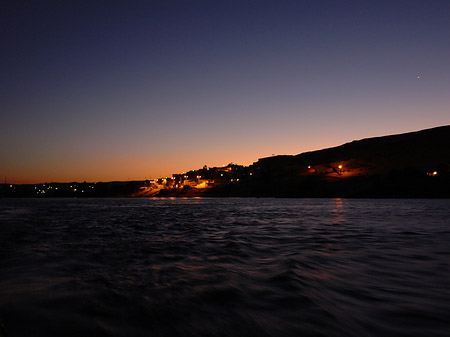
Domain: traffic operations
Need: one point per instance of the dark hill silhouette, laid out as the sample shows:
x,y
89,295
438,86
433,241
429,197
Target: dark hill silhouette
x,y
424,149
414,164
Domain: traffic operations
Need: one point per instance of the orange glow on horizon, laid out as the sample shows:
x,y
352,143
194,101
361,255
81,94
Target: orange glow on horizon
x,y
138,165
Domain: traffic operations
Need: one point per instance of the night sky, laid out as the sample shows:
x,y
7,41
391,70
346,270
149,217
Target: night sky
x,y
106,90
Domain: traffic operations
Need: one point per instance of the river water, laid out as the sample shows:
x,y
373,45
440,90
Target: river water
x,y
224,267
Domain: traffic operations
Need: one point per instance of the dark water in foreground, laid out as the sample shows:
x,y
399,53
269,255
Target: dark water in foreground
x,y
225,267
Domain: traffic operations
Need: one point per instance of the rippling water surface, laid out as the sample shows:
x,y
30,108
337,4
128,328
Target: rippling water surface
x,y
224,267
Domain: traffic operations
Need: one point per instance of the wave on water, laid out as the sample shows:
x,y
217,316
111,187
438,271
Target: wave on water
x,y
222,267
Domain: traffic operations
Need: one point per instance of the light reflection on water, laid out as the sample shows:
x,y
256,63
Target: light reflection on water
x,y
190,267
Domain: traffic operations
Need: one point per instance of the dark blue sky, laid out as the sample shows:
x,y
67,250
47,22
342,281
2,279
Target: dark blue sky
x,y
129,90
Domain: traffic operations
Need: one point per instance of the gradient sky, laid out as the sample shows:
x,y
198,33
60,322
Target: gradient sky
x,y
107,90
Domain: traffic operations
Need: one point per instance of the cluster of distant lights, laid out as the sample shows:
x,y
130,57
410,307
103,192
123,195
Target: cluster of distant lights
x,y
49,187
190,176
164,180
43,191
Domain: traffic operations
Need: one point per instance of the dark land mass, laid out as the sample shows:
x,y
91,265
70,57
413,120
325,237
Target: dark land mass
x,y
409,165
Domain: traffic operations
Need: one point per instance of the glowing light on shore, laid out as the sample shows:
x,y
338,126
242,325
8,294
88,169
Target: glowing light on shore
x,y
202,185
